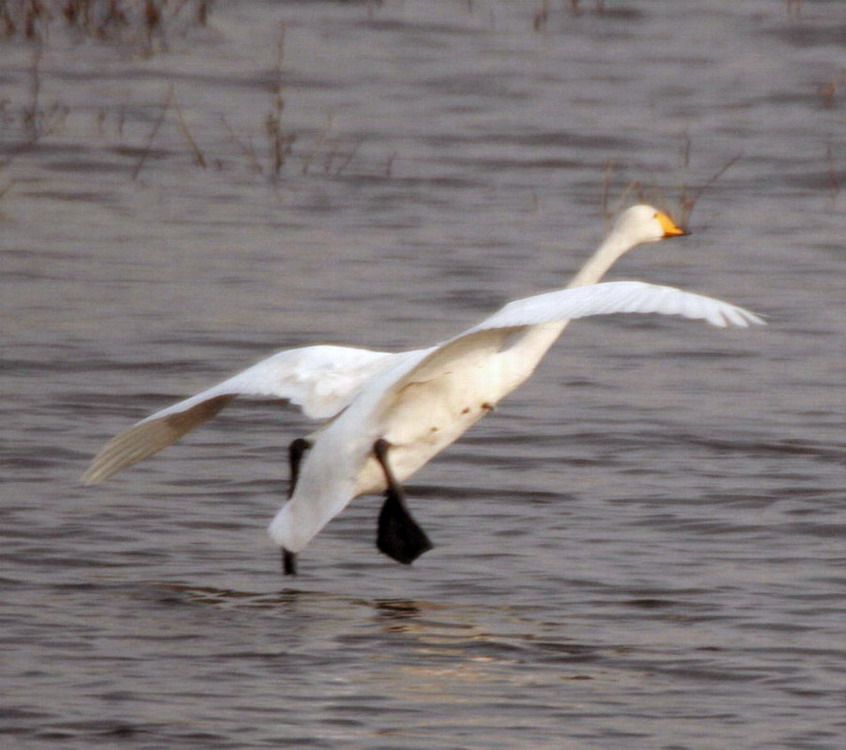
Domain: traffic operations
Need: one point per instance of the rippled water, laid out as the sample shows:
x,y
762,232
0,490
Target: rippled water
x,y
642,548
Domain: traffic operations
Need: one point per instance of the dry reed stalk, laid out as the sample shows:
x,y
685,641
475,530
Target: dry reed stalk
x,y
165,106
794,9
247,147
350,155
686,196
38,120
541,16
322,137
689,197
198,155
280,143
106,20
833,177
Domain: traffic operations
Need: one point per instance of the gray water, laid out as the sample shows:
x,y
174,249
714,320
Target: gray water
x,y
642,548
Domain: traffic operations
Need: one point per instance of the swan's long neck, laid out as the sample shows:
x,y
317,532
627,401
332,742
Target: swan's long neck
x,y
608,253
539,338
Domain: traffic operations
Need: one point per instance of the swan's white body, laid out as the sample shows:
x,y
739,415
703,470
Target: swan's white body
x,y
427,399
419,401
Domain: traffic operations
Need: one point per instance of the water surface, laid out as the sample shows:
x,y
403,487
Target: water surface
x,y
642,548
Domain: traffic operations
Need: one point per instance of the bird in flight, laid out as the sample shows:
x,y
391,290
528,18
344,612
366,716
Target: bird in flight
x,y
387,414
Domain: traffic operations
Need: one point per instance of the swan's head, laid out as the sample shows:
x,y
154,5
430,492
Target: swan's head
x,y
643,223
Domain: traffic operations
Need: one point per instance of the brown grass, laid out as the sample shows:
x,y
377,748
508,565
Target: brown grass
x,y
125,21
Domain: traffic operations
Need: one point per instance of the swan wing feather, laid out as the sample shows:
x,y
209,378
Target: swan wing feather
x,y
615,297
321,379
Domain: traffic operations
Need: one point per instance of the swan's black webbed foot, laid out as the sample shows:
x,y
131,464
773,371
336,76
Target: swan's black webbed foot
x,y
399,535
289,562
296,451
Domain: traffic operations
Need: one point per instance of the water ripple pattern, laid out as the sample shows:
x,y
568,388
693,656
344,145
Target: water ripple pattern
x,y
643,548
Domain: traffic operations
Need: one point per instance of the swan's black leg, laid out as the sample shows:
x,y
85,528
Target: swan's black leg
x,y
296,451
399,536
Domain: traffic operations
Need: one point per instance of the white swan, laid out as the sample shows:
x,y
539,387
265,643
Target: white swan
x,y
394,412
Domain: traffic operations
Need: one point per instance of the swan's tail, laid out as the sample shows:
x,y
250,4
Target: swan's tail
x,y
301,518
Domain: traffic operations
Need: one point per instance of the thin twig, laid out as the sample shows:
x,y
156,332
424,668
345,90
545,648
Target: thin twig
x,y
6,188
32,113
183,126
833,178
350,156
318,145
541,16
607,174
247,147
164,108
634,186
280,143
689,199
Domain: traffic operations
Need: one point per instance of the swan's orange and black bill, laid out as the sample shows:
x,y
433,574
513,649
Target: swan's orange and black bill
x,y
671,229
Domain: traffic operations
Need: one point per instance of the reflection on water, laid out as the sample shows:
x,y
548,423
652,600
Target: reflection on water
x,y
639,549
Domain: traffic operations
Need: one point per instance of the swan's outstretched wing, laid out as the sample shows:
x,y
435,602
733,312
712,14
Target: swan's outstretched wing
x,y
615,297
322,380
568,304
